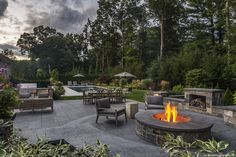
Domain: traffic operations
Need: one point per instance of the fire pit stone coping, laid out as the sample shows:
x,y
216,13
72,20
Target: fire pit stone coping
x,y
154,130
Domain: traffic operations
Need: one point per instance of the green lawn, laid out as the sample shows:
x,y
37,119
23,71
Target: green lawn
x,y
71,97
137,95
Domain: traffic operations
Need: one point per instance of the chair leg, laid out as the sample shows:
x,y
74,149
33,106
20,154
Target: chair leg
x,y
116,120
126,117
97,118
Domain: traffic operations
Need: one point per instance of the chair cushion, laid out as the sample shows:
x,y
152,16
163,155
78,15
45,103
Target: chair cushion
x,y
103,103
112,110
151,106
24,95
154,100
43,95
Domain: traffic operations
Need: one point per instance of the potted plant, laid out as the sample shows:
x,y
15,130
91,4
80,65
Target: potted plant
x,y
8,100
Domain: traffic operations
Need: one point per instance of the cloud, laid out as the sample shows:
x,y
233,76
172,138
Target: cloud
x,y
62,16
7,46
3,7
62,3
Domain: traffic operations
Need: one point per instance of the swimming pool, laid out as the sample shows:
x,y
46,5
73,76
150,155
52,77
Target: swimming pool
x,y
83,88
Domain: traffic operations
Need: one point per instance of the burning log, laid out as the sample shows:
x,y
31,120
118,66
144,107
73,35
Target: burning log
x,y
198,103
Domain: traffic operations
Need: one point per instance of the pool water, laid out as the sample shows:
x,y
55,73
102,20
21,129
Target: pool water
x,y
83,88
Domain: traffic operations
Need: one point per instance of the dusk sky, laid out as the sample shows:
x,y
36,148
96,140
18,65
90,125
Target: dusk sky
x,y
19,16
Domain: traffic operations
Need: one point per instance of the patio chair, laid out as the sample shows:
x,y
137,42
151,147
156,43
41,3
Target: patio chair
x,y
153,102
75,83
103,108
69,83
87,99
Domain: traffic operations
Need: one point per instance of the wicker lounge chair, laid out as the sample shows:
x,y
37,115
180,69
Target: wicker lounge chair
x,y
75,83
42,99
103,108
153,102
36,103
69,83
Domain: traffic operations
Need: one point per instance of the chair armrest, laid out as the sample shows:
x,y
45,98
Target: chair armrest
x,y
145,103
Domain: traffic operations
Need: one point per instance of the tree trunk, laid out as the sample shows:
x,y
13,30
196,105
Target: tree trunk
x,y
96,68
103,57
212,30
162,35
227,30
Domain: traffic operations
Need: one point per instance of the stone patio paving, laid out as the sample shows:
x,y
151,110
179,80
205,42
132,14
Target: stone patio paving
x,y
75,122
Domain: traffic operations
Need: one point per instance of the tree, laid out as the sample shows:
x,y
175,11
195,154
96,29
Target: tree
x,y
52,49
8,53
113,33
168,15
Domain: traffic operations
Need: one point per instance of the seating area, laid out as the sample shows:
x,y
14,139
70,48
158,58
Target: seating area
x,y
75,122
35,98
114,96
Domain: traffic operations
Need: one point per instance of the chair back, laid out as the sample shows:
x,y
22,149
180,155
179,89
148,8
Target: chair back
x,y
75,83
155,100
69,83
103,103
44,92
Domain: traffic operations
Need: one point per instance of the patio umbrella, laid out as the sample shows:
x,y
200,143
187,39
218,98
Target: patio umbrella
x,y
124,74
78,75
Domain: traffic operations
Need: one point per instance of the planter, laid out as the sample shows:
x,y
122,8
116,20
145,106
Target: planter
x,y
6,128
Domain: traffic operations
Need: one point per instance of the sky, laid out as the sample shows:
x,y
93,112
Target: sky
x,y
19,16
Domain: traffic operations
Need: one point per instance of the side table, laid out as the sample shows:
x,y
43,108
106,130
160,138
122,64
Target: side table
x,y
131,109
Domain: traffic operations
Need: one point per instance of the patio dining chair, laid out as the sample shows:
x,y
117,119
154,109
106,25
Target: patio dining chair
x,y
87,99
103,108
118,96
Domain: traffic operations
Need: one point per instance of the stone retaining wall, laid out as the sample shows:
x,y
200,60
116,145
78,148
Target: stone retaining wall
x,y
227,112
230,117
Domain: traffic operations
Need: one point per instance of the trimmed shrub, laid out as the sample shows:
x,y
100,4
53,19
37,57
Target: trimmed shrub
x,y
178,89
54,76
228,97
165,85
136,84
58,91
146,83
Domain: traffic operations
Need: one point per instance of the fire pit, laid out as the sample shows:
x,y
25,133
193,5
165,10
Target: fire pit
x,y
152,126
171,115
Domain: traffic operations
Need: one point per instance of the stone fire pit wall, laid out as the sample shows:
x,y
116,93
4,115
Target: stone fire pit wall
x,y
154,130
214,97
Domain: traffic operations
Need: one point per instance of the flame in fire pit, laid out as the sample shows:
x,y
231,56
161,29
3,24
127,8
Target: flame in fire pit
x,y
171,115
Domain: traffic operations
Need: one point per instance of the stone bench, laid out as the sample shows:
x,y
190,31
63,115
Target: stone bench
x,y
230,115
175,101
